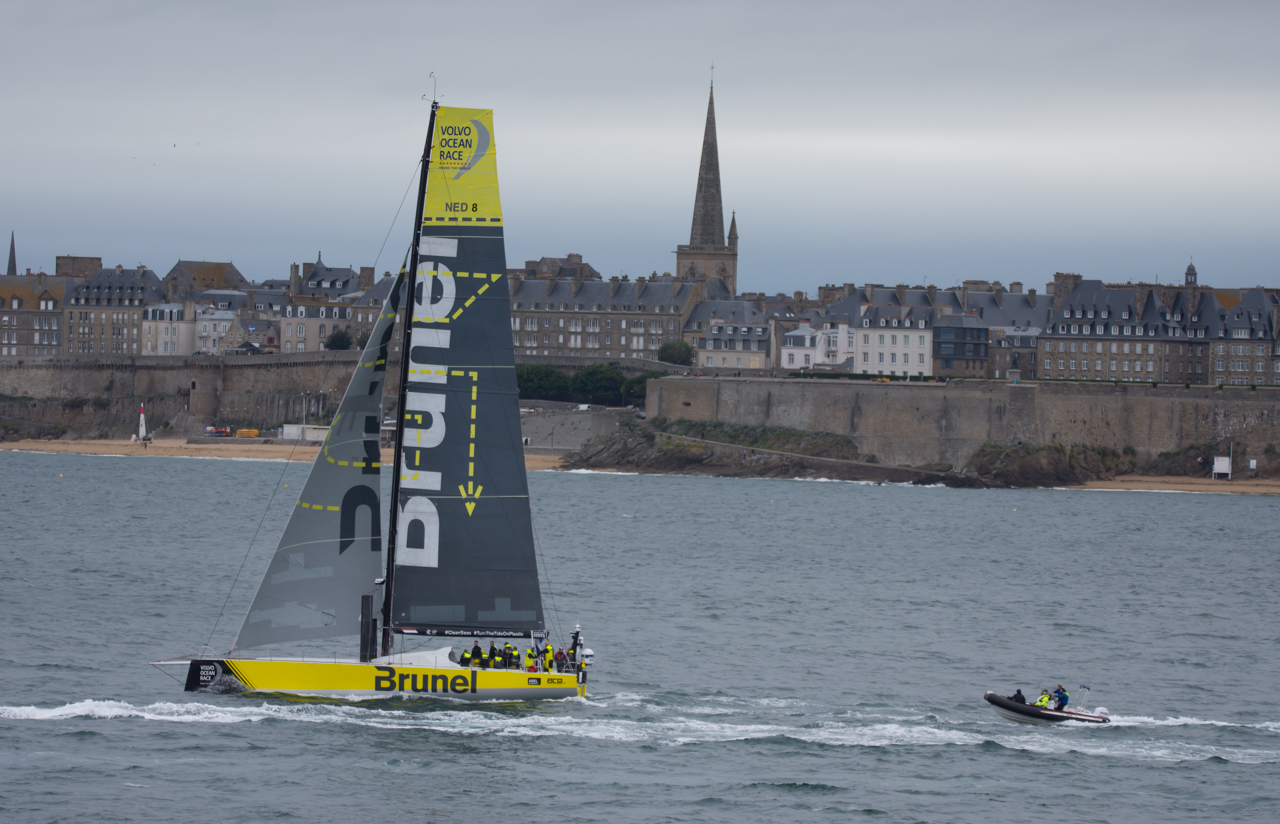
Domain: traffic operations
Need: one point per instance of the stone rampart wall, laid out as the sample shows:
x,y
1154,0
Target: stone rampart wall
x,y
914,424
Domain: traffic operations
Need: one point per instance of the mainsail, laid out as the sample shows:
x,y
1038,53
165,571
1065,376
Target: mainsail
x,y
331,550
461,542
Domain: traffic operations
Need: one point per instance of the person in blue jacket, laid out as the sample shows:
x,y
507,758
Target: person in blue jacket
x,y
1061,696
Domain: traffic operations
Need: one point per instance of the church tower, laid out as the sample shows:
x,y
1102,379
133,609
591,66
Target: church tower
x,y
706,255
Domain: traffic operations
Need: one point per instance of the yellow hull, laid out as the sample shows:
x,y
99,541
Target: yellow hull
x,y
352,679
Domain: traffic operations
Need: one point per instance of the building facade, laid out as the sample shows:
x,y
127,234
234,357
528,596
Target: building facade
x,y
32,320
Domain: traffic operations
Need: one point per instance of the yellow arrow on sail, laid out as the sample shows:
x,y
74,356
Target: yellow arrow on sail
x,y
470,491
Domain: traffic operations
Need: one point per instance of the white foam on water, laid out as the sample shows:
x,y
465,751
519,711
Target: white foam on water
x,y
1147,721
1145,750
590,472
884,735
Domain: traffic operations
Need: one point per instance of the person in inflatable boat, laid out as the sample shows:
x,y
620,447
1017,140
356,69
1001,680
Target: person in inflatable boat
x,y
1043,700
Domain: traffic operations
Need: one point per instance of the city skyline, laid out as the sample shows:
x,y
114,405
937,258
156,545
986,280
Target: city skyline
x,y
916,145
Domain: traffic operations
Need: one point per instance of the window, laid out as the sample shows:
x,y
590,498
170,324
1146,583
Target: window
x,y
301,347
791,360
866,357
882,357
806,360
302,333
882,340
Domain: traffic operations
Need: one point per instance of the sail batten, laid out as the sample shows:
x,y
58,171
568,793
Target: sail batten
x,y
463,542
331,549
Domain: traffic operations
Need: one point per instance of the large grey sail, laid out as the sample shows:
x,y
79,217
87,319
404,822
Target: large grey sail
x,y
331,550
464,555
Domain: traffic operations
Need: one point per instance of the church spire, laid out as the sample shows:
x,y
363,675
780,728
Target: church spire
x,y
733,231
13,257
708,212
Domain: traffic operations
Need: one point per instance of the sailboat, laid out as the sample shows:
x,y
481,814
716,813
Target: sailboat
x,y
459,560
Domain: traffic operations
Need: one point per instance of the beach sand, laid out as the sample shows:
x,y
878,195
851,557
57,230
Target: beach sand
x,y
217,448
1165,483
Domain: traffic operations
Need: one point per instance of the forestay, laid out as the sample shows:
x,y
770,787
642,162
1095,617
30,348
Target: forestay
x,y
331,550
463,543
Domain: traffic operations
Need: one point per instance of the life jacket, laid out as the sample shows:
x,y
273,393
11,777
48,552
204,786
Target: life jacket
x,y
548,656
1042,701
528,658
465,660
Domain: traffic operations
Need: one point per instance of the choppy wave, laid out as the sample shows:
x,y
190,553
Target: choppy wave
x,y
697,722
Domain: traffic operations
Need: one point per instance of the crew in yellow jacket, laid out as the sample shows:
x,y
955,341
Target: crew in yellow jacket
x,y
1043,700
529,661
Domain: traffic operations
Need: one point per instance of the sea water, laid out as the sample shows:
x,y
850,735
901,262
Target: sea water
x,y
766,650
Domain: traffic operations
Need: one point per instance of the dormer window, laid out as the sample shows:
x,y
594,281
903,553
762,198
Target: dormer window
x,y
1079,313
1066,313
882,321
895,321
920,325
1195,318
866,322
1089,314
1105,314
302,311
1125,314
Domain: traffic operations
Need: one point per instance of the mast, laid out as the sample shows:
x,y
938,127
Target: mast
x,y
411,283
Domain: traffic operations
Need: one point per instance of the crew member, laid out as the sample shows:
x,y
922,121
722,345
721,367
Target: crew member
x,y
1017,697
529,660
1043,700
508,657
465,658
560,659
1061,696
495,657
476,653
548,656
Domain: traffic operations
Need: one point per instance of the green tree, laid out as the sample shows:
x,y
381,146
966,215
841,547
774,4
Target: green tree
x,y
362,339
338,339
676,351
598,383
634,388
540,382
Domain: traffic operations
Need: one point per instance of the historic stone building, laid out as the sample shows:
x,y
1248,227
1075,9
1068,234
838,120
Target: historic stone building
x,y
707,254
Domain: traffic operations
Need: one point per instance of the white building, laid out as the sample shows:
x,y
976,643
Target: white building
x,y
212,326
169,329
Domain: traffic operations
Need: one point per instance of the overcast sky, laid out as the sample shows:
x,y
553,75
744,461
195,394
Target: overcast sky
x,y
859,142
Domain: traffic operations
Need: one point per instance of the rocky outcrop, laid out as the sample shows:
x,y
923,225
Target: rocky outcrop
x,y
1023,465
638,448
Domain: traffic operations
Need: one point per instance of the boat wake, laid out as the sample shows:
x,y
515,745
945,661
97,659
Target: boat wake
x,y
633,718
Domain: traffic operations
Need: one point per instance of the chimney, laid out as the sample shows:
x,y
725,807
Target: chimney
x,y
933,295
307,269
901,291
253,300
551,285
1031,297
366,277
1015,287
640,284
797,295
575,286
294,278
574,258
1063,284
613,285
998,291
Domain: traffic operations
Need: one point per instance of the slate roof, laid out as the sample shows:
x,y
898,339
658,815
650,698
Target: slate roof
x,y
188,278
533,294
111,287
29,288
326,282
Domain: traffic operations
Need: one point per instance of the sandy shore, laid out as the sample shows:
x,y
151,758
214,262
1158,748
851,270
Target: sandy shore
x,y
1149,483
282,452
215,449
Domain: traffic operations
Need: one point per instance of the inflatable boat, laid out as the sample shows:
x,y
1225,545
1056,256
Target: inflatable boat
x,y
1030,714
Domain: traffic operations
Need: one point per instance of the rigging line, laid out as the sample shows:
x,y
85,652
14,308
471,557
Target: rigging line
x,y
546,571
392,227
323,379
